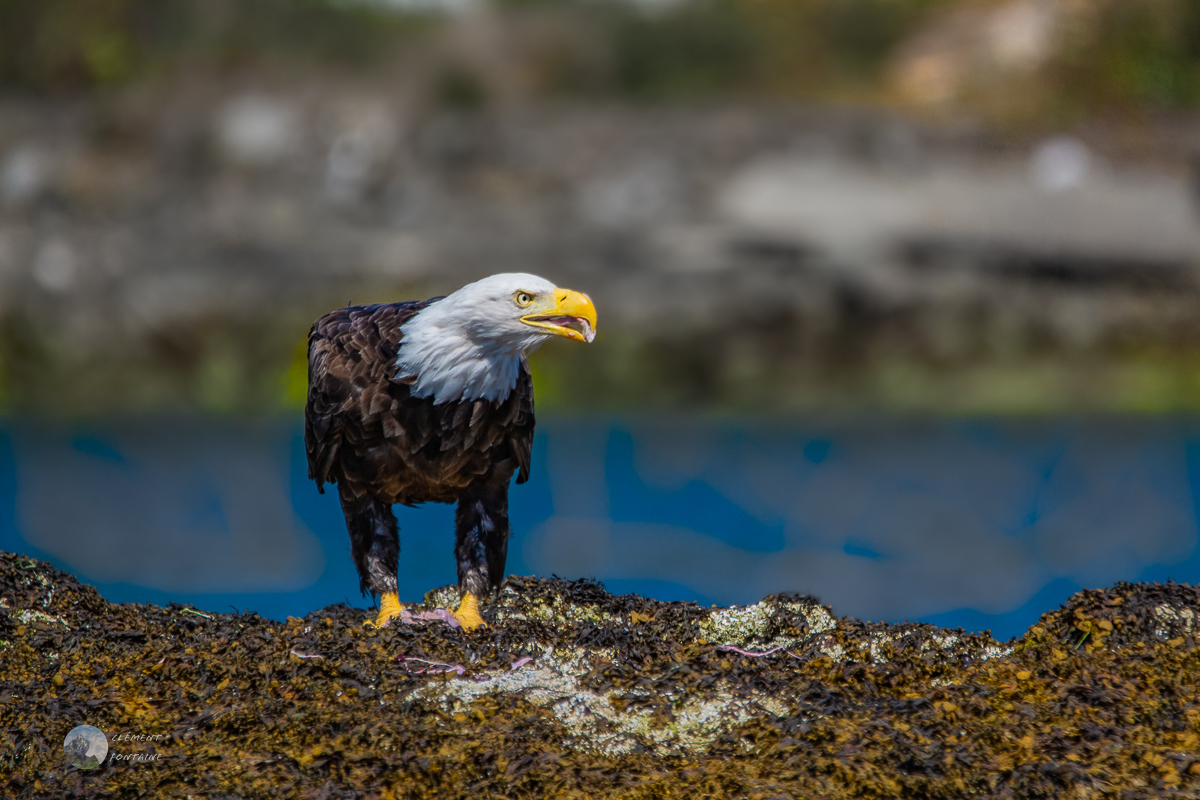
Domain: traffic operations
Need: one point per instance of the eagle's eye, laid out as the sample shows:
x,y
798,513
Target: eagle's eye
x,y
523,298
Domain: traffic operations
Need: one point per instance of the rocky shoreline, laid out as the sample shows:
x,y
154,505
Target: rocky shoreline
x,y
776,258
574,692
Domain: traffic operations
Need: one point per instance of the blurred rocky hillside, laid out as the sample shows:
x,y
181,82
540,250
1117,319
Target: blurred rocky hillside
x,y
173,218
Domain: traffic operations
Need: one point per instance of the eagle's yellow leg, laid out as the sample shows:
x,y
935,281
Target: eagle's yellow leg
x,y
389,607
468,613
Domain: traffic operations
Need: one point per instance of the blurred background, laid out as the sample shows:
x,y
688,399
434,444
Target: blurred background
x,y
898,300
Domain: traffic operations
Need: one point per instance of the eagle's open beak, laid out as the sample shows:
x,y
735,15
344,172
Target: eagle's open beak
x,y
571,315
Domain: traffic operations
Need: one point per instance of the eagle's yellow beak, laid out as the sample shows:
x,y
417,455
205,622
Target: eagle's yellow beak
x,y
570,314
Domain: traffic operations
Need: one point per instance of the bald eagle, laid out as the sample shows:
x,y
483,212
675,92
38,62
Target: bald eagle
x,y
432,402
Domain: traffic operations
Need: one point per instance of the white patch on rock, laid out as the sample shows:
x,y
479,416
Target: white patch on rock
x,y
1170,615
994,651
26,616
745,625
607,723
593,722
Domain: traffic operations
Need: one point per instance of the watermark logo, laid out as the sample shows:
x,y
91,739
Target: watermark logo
x,y
86,747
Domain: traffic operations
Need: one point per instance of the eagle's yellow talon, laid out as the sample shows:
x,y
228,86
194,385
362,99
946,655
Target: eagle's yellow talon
x,y
389,607
468,613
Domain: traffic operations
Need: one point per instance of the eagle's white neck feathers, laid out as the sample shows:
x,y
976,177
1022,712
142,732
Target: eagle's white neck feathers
x,y
468,345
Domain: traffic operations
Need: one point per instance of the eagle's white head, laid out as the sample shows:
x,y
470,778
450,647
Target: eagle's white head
x,y
468,345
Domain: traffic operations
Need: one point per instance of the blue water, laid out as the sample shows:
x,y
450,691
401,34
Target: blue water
x,y
983,525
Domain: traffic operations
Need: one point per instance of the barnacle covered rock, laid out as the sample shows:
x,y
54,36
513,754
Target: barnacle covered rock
x,y
574,692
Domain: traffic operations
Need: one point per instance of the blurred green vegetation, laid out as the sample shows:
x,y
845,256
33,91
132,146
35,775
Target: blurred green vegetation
x,y
1134,53
1111,54
1107,56
631,373
780,47
261,367
230,365
81,45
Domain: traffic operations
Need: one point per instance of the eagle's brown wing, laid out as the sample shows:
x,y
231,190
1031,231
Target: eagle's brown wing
x,y
521,438
351,360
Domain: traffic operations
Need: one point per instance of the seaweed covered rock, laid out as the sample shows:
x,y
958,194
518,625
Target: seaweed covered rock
x,y
574,692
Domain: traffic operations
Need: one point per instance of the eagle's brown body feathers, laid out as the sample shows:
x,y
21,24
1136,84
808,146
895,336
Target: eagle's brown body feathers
x,y
365,432
363,428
